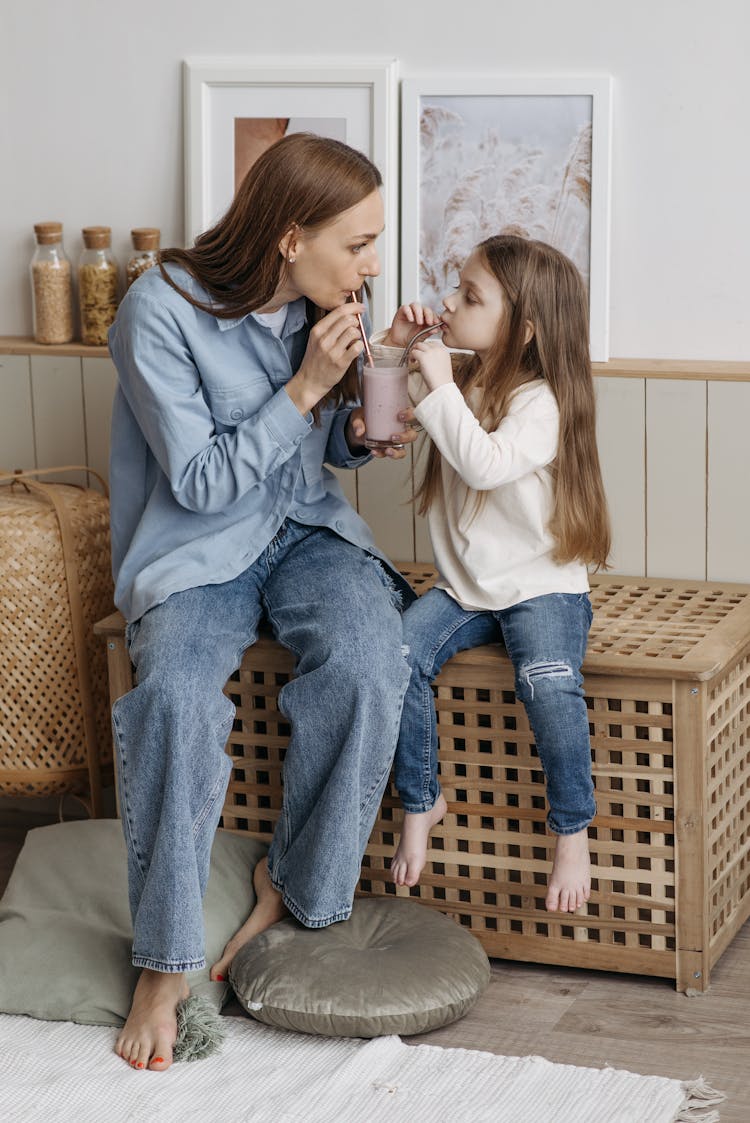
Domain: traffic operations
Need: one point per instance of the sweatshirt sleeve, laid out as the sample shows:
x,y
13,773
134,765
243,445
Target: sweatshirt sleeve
x,y
524,441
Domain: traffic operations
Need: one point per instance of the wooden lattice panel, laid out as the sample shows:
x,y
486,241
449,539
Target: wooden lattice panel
x,y
490,857
678,629
667,681
728,801
258,741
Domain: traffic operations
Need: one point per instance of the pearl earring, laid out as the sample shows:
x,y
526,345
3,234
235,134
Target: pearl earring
x,y
291,259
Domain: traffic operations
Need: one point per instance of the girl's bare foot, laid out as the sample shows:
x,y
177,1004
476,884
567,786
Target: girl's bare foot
x,y
269,908
148,1036
569,885
411,854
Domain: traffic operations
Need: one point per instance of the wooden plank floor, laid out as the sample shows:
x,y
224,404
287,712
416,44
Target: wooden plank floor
x,y
587,1018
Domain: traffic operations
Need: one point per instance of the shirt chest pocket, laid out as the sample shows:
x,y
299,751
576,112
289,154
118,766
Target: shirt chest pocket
x,y
232,405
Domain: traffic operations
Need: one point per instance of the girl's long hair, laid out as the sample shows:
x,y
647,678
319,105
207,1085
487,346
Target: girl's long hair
x,y
542,286
302,181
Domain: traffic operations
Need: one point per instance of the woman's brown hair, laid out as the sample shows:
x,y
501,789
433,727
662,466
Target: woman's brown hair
x,y
302,181
542,287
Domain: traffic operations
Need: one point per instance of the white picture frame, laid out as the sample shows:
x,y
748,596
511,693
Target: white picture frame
x,y
355,99
479,154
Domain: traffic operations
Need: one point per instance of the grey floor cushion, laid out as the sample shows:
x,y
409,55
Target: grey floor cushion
x,y
65,932
394,967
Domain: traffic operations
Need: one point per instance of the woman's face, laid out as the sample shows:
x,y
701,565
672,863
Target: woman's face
x,y
336,260
474,311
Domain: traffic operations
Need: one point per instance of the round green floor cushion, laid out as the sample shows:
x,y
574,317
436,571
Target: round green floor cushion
x,y
394,967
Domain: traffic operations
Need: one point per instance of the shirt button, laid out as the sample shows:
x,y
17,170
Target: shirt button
x,y
339,525
236,414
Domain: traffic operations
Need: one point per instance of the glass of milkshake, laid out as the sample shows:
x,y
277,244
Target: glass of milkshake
x,y
384,396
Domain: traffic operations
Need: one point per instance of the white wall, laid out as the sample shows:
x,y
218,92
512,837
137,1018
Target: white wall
x,y
91,128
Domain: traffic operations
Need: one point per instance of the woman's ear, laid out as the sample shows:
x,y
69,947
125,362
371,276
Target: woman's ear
x,y
288,245
528,333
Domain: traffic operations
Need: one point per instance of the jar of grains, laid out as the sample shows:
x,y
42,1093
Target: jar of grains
x,y
146,246
97,285
51,286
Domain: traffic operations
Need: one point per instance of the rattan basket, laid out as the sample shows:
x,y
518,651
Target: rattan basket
x,y
55,583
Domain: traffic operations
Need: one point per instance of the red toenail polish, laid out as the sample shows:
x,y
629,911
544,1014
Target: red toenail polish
x,y
158,1060
219,978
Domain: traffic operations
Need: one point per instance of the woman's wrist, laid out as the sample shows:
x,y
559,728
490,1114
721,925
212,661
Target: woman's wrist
x,y
304,395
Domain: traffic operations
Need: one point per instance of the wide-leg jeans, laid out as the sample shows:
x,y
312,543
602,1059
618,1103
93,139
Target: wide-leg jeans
x,y
545,638
336,608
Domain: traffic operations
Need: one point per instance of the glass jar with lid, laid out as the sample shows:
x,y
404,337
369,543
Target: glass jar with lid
x,y
97,285
51,286
146,246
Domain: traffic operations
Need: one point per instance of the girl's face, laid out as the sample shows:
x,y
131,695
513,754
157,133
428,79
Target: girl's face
x,y
336,260
474,311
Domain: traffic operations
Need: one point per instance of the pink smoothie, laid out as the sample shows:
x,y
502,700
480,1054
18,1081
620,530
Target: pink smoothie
x,y
385,395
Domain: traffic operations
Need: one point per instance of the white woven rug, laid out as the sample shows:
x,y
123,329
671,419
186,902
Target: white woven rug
x,y
57,1071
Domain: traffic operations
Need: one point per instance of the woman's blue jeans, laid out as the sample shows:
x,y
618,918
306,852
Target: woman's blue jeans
x,y
335,607
545,638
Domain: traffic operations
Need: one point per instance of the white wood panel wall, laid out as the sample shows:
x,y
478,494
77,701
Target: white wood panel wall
x,y
676,446
728,482
674,452
621,437
55,410
17,444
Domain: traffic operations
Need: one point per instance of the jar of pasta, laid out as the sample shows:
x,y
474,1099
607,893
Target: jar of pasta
x,y
51,286
146,246
97,285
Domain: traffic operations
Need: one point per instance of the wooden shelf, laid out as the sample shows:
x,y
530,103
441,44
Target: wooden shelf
x,y
24,345
708,370
699,370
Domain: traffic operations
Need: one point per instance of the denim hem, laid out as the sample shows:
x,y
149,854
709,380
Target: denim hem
x,y
420,808
298,914
570,830
167,968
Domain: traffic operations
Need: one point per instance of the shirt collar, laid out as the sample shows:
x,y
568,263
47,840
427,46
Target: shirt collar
x,y
296,317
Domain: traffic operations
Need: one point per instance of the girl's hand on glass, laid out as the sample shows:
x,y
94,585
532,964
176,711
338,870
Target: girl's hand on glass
x,y
409,418
433,362
355,434
410,319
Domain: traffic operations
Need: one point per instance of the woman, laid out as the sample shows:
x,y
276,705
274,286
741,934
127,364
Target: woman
x,y
237,363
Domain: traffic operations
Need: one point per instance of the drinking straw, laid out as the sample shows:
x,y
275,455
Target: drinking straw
x,y
363,333
415,338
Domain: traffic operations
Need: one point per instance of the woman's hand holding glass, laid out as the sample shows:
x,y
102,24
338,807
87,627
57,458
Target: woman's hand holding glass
x,y
355,432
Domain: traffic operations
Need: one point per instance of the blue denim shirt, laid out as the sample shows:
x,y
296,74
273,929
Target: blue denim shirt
x,y
209,455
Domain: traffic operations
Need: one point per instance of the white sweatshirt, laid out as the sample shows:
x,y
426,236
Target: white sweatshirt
x,y
501,555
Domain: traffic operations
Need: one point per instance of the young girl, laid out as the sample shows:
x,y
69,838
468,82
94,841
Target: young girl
x,y
516,507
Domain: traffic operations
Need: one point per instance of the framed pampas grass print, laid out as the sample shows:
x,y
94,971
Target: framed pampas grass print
x,y
491,155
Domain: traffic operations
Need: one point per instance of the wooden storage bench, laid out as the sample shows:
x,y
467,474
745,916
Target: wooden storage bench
x,y
668,690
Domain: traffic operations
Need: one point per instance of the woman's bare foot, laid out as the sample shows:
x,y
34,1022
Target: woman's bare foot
x,y
148,1036
569,885
411,853
269,908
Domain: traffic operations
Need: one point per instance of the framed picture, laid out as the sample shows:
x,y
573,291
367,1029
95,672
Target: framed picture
x,y
484,156
235,108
